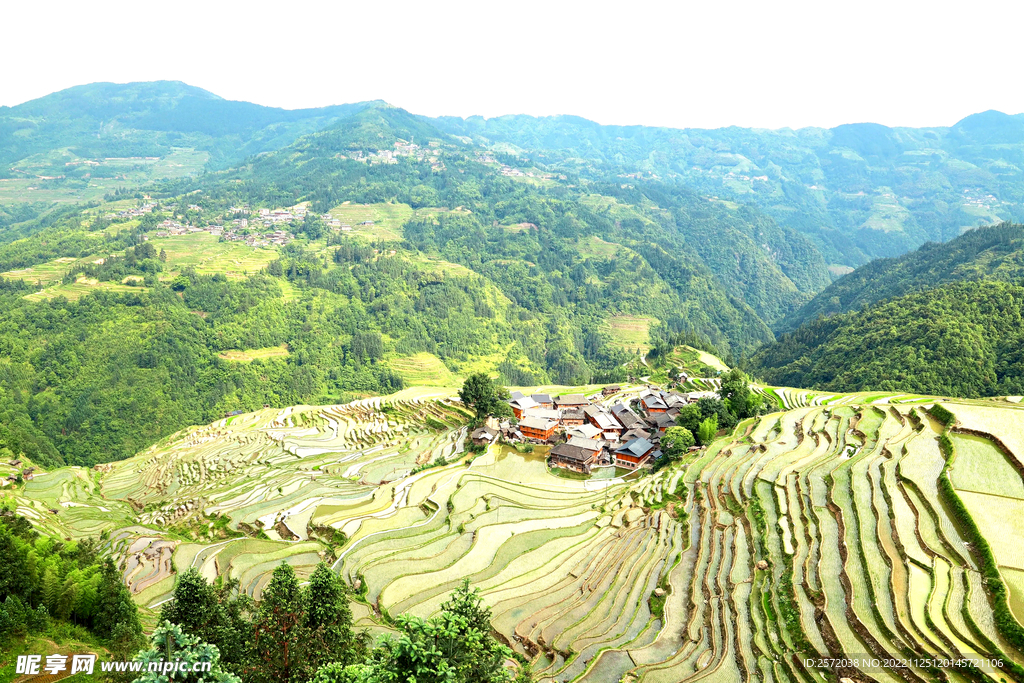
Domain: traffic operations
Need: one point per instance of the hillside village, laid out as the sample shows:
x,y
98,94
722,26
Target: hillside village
x,y
606,429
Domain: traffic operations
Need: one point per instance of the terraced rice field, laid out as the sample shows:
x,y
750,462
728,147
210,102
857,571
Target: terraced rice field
x,y
822,530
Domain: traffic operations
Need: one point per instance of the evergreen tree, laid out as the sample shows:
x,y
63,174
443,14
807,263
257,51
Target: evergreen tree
x,y
170,644
328,620
116,606
280,640
204,612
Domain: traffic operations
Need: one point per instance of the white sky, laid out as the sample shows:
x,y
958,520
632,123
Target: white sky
x,y
687,63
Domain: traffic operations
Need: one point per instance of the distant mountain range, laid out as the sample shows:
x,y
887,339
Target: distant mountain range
x,y
540,250
859,191
148,119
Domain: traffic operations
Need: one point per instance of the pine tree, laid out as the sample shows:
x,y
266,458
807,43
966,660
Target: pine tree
x,y
214,616
280,640
328,619
115,605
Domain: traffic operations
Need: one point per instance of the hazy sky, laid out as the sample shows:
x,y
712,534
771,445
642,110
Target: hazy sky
x,y
712,63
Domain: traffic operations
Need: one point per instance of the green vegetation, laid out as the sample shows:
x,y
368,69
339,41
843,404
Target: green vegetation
x,y
858,192
987,253
46,586
773,522
484,397
960,339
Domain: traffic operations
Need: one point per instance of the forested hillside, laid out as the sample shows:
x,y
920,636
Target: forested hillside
x,y
113,343
960,339
149,119
995,252
860,191
521,254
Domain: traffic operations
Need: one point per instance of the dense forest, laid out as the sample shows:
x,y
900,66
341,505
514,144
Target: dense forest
x,y
960,339
995,252
859,191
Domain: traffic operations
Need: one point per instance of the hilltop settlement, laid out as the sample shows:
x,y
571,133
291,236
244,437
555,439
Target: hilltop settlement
x,y
605,429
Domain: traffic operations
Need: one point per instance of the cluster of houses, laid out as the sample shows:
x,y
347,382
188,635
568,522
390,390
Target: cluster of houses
x,y
229,233
27,474
135,212
585,433
408,150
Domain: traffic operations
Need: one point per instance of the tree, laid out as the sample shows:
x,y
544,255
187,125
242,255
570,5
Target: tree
x,y
484,396
171,644
313,226
214,616
676,442
735,389
116,607
707,430
163,256
328,620
689,418
708,406
454,647
280,639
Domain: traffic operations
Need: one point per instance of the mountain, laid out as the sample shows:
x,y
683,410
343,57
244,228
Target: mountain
x,y
994,252
961,339
454,262
860,191
942,320
151,118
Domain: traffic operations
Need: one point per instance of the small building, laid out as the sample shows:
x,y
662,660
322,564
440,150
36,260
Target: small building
x,y
572,417
609,390
661,421
585,430
625,417
537,428
543,413
571,401
595,445
652,403
572,458
636,433
483,436
602,420
543,400
521,405
634,454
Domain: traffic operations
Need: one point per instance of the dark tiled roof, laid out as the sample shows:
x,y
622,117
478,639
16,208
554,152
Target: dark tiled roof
x,y
636,447
564,450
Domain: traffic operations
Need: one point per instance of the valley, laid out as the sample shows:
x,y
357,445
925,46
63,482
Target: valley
x,y
825,528
765,385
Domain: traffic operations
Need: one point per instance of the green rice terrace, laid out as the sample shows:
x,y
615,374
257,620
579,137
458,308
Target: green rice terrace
x,y
867,526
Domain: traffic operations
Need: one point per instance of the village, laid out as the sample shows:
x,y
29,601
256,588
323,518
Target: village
x,y
402,149
607,429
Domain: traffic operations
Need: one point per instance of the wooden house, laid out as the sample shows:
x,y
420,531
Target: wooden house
x,y
572,458
634,454
537,428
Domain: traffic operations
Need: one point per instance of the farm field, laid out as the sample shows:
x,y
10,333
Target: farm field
x,y
629,332
387,219
424,369
80,287
819,530
208,255
252,354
